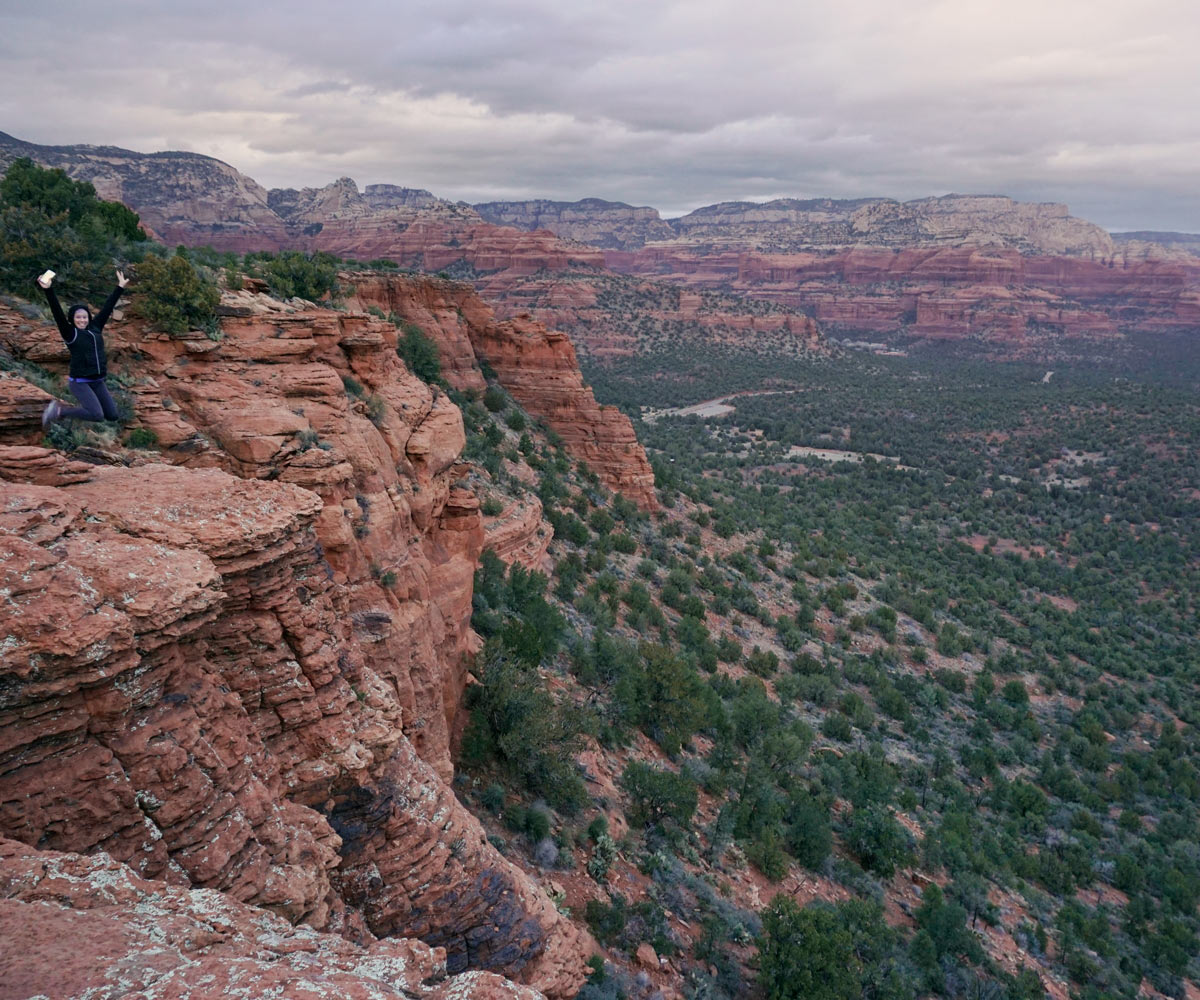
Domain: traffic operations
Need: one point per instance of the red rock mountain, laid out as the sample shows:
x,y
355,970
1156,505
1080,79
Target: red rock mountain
x,y
239,667
1013,279
197,200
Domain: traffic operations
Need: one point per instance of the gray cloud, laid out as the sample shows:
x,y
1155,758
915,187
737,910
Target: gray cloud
x,y
661,103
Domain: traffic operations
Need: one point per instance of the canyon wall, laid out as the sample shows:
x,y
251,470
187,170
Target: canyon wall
x,y
539,367
788,225
536,365
1000,298
238,667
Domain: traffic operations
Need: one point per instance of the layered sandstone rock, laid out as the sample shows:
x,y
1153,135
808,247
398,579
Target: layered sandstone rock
x,y
270,401
187,690
436,307
519,534
537,366
1013,302
21,406
41,466
89,926
240,670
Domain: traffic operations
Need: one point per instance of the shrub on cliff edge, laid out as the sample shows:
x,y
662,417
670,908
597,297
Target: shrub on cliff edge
x,y
516,723
174,297
419,353
293,274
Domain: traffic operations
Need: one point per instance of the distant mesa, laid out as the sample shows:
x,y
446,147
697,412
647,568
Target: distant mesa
x,y
788,225
608,224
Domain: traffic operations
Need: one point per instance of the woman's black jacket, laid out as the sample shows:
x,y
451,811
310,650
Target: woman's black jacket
x,y
88,360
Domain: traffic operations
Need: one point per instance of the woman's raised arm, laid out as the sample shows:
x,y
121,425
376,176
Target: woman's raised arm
x,y
64,328
111,302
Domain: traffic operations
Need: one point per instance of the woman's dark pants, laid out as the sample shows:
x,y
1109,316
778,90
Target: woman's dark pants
x,y
94,402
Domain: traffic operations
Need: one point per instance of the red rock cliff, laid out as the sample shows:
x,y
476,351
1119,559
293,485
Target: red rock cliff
x,y
539,367
240,671
536,365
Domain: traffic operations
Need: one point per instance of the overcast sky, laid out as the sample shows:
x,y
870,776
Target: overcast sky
x,y
675,105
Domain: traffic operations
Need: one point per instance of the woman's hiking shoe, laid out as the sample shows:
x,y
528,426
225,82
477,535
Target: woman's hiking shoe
x,y
50,413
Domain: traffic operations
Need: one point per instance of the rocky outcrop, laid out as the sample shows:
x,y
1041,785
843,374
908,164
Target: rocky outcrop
x,y
319,398
442,309
519,534
89,926
537,366
21,406
240,669
187,689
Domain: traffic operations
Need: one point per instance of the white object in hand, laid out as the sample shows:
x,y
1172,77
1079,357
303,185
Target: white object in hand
x,y
47,277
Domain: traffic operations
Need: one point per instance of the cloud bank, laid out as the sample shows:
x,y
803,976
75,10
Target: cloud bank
x,y
674,105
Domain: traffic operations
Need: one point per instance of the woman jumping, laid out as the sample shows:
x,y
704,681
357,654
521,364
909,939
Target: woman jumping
x,y
84,337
